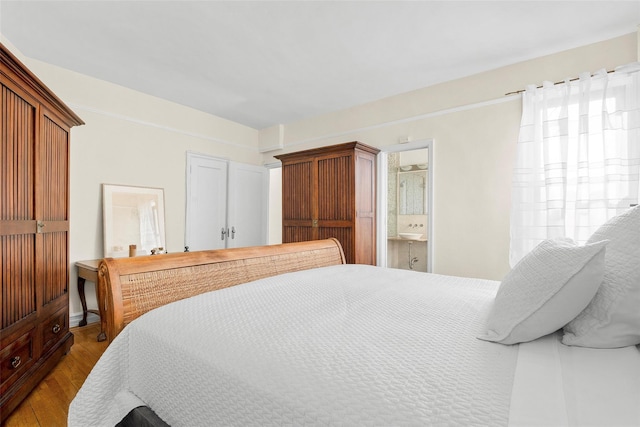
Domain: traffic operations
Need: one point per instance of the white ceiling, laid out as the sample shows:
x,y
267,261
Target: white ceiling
x,y
269,62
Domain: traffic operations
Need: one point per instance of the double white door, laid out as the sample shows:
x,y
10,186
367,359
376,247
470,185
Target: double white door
x,y
227,204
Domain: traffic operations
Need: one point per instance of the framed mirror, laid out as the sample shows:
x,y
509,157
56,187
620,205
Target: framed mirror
x,y
132,216
412,183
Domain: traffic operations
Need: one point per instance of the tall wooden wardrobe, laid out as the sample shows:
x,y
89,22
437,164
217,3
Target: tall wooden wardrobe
x,y
34,229
331,192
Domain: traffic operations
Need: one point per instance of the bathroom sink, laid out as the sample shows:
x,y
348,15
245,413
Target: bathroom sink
x,y
410,236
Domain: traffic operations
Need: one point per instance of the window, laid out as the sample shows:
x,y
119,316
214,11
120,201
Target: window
x,y
578,158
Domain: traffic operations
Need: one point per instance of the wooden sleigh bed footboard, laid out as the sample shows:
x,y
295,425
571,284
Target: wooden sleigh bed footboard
x,y
129,287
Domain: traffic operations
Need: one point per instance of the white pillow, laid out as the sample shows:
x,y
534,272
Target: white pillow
x,y
612,319
548,287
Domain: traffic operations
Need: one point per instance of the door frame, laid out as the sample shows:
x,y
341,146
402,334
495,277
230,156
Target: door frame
x,y
382,195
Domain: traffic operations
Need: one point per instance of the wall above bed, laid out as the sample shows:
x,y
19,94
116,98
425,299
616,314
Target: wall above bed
x,y
475,128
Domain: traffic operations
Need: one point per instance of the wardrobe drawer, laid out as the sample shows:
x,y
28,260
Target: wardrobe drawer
x,y
54,328
15,359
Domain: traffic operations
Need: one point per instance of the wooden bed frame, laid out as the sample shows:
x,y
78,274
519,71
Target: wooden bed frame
x,y
129,287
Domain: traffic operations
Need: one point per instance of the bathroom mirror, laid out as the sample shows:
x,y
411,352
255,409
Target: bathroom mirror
x,y
412,182
132,216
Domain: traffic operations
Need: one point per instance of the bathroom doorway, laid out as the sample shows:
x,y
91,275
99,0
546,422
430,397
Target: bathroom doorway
x,y
405,206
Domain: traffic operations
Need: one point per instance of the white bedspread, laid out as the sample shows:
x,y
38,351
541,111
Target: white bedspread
x,y
345,345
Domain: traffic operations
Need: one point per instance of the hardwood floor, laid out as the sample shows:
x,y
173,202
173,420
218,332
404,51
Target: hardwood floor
x,y
48,403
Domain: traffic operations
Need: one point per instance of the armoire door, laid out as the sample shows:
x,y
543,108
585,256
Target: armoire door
x,y
335,210
227,204
18,221
299,201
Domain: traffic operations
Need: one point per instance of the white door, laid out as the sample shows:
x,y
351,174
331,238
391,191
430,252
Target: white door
x,y
227,204
248,205
206,215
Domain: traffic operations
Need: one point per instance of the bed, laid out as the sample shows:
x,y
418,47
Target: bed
x,y
290,335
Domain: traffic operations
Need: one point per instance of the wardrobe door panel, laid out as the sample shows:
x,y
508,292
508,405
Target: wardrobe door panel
x,y
17,273
365,184
298,196
299,202
52,209
365,228
55,274
17,185
54,178
17,209
335,188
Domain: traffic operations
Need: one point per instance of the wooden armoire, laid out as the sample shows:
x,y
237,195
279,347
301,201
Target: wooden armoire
x,y
331,192
34,230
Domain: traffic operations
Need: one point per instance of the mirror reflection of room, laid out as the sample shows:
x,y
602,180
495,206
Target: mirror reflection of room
x,y
408,210
133,220
412,181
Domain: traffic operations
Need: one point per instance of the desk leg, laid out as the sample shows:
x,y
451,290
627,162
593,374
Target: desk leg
x,y
102,336
83,301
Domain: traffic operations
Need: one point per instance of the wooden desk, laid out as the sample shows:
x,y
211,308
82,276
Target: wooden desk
x,y
88,270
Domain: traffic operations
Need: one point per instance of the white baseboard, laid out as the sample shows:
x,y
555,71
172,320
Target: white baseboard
x,y
74,320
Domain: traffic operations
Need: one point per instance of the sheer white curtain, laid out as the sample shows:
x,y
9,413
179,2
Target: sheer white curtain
x,y
578,157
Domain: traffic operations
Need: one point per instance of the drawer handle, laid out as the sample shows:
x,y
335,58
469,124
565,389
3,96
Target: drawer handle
x,y
56,328
15,362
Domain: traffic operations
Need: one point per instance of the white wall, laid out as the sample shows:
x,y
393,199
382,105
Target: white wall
x,y
475,129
